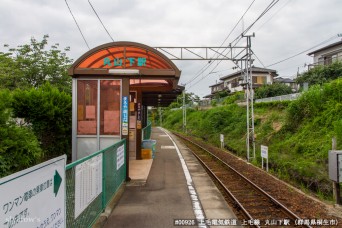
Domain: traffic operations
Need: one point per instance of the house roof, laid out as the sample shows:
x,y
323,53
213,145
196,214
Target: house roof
x,y
326,47
254,69
217,84
284,80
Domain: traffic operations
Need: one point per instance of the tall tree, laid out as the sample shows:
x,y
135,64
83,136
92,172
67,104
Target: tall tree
x,y
31,65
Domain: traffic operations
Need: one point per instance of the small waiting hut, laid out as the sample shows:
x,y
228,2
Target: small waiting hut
x,y
112,86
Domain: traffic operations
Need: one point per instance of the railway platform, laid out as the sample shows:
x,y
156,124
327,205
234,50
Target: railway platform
x,y
171,190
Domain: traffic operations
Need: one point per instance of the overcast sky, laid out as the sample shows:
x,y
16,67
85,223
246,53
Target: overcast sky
x,y
290,27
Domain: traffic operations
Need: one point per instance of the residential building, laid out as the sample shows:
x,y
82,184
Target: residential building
x,y
287,81
327,55
218,87
260,76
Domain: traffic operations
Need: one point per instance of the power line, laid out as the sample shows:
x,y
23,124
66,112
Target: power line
x,y
77,24
237,22
270,6
317,45
100,20
274,14
238,38
258,59
211,62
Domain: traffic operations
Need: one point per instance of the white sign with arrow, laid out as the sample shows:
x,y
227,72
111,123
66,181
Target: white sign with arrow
x,y
34,197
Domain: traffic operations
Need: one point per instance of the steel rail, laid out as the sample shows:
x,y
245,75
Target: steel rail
x,y
236,201
276,202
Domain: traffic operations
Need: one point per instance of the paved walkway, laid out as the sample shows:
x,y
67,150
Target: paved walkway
x,y
170,193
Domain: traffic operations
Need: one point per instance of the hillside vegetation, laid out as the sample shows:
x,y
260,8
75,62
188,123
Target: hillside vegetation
x,y
298,133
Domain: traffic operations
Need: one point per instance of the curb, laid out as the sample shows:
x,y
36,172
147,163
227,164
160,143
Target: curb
x,y
102,219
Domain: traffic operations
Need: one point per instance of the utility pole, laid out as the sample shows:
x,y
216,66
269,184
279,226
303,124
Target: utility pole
x,y
184,113
248,81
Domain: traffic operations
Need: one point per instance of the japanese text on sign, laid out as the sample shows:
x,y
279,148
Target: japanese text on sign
x,y
88,183
120,157
34,197
125,115
140,61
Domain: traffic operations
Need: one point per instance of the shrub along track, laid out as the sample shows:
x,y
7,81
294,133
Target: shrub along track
x,y
299,204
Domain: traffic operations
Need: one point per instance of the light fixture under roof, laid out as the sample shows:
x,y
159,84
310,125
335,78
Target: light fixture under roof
x,y
123,71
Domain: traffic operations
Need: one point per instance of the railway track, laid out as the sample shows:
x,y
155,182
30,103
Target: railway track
x,y
254,206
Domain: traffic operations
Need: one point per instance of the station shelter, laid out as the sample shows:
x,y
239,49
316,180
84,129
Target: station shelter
x,y
112,86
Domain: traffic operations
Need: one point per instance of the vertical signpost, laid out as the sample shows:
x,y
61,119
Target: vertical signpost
x,y
222,140
34,197
139,115
125,115
264,154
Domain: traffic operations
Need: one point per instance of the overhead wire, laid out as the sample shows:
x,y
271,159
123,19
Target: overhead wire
x,y
274,14
212,61
270,6
258,59
266,23
306,50
100,20
238,38
79,29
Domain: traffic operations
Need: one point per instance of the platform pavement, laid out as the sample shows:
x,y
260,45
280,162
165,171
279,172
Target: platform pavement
x,y
165,196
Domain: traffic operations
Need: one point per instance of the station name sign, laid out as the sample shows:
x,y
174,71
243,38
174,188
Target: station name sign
x,y
139,61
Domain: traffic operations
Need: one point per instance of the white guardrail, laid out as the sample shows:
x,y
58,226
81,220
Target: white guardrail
x,y
287,97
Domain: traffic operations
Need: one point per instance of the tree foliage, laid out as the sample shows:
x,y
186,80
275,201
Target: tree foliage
x,y
189,99
19,148
31,65
321,74
232,98
49,112
221,94
275,89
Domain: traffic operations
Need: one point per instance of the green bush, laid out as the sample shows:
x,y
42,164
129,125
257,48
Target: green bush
x,y
49,112
273,90
19,148
313,102
321,74
231,99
